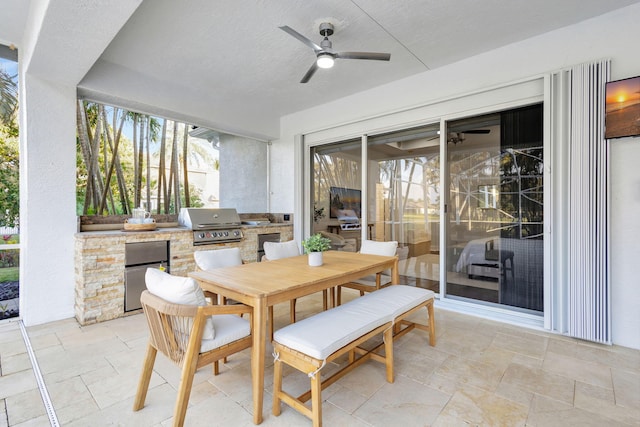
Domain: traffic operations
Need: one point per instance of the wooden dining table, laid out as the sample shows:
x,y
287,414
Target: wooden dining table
x,y
263,284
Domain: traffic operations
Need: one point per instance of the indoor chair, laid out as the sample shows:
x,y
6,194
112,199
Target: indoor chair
x,y
190,335
372,282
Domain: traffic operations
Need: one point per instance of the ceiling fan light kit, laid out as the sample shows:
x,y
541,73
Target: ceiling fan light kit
x,y
325,55
325,60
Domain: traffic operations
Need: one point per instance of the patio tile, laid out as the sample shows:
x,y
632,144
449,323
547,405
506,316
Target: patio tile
x,y
480,373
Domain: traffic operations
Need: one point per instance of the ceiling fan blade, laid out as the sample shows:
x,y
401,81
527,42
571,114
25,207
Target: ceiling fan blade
x,y
300,37
375,56
309,73
477,131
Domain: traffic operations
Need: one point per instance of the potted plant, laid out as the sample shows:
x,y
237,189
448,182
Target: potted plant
x,y
314,246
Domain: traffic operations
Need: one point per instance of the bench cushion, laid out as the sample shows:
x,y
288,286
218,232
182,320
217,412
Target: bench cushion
x,y
322,334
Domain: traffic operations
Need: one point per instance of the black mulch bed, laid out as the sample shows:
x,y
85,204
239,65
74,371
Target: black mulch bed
x,y
8,291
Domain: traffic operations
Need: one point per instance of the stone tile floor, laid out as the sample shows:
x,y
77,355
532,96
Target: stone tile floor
x,y
480,373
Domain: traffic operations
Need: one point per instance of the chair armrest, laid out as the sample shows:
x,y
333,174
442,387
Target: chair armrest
x,y
212,310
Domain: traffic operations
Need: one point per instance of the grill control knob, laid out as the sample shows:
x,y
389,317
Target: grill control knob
x,y
226,234
201,235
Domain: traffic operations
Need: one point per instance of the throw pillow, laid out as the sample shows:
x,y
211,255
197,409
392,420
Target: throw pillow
x,y
178,290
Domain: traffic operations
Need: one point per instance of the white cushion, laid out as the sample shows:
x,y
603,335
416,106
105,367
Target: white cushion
x,y
217,258
372,247
229,328
277,250
322,334
400,298
178,290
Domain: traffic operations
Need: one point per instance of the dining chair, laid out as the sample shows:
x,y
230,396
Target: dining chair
x,y
217,258
278,250
189,334
373,282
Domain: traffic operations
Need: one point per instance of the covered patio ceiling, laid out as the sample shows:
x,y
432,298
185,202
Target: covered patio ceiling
x,y
226,65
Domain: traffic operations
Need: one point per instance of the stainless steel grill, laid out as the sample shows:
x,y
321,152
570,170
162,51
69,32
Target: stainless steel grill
x,y
211,225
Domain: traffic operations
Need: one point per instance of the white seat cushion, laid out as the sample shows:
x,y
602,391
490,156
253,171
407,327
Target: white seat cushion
x,y
217,258
322,334
277,250
178,290
399,299
229,328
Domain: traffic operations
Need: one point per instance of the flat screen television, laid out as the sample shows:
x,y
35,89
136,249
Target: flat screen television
x,y
622,113
341,199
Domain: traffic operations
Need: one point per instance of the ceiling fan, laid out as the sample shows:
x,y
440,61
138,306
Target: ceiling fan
x,y
457,137
325,55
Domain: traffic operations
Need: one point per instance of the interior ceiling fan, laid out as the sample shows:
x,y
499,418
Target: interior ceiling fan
x,y
457,137
325,55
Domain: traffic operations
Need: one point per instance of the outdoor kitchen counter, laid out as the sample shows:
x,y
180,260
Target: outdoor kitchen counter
x,y
100,262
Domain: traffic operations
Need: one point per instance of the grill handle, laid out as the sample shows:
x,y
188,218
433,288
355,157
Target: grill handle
x,y
217,224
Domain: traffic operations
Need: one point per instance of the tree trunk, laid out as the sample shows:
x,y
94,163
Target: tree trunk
x,y
148,186
135,159
185,169
139,160
175,167
162,178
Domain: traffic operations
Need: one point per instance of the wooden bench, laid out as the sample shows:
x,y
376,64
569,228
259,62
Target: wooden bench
x,y
311,343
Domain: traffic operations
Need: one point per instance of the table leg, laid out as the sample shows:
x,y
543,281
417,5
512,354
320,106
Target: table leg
x,y
257,357
395,274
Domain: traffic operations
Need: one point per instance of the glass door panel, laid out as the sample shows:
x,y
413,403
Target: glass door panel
x,y
495,209
404,199
336,193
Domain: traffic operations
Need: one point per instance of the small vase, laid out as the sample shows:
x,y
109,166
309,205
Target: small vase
x,y
315,259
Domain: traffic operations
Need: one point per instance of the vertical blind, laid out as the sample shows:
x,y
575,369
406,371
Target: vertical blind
x,y
588,294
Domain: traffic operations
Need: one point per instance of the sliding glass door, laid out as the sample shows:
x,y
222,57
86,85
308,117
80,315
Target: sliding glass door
x,y
404,171
495,209
388,187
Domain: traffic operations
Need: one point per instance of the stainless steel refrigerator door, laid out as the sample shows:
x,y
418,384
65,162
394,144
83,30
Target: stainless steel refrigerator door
x,y
134,285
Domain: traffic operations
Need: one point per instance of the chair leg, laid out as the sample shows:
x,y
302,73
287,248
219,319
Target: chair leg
x,y
216,366
338,295
145,377
277,387
325,300
184,391
292,311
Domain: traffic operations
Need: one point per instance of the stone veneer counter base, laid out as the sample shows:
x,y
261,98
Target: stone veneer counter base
x,y
100,263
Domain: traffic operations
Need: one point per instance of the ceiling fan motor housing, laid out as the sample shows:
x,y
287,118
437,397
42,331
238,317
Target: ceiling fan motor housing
x,y
326,29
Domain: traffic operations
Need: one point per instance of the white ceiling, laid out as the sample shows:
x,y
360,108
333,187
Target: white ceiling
x,y
225,63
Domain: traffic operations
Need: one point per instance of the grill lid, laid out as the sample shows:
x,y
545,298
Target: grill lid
x,y
208,218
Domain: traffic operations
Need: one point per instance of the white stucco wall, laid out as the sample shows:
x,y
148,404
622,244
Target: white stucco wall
x,y
613,36
47,208
243,172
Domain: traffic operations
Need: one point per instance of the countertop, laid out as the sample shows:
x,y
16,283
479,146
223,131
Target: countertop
x,y
178,229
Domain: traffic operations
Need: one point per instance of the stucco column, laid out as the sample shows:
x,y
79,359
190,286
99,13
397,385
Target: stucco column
x,y
47,200
243,174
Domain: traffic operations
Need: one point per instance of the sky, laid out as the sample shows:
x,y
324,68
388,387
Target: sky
x,y
10,67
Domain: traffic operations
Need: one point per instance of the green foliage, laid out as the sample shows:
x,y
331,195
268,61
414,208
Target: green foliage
x,y
316,243
143,156
9,151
